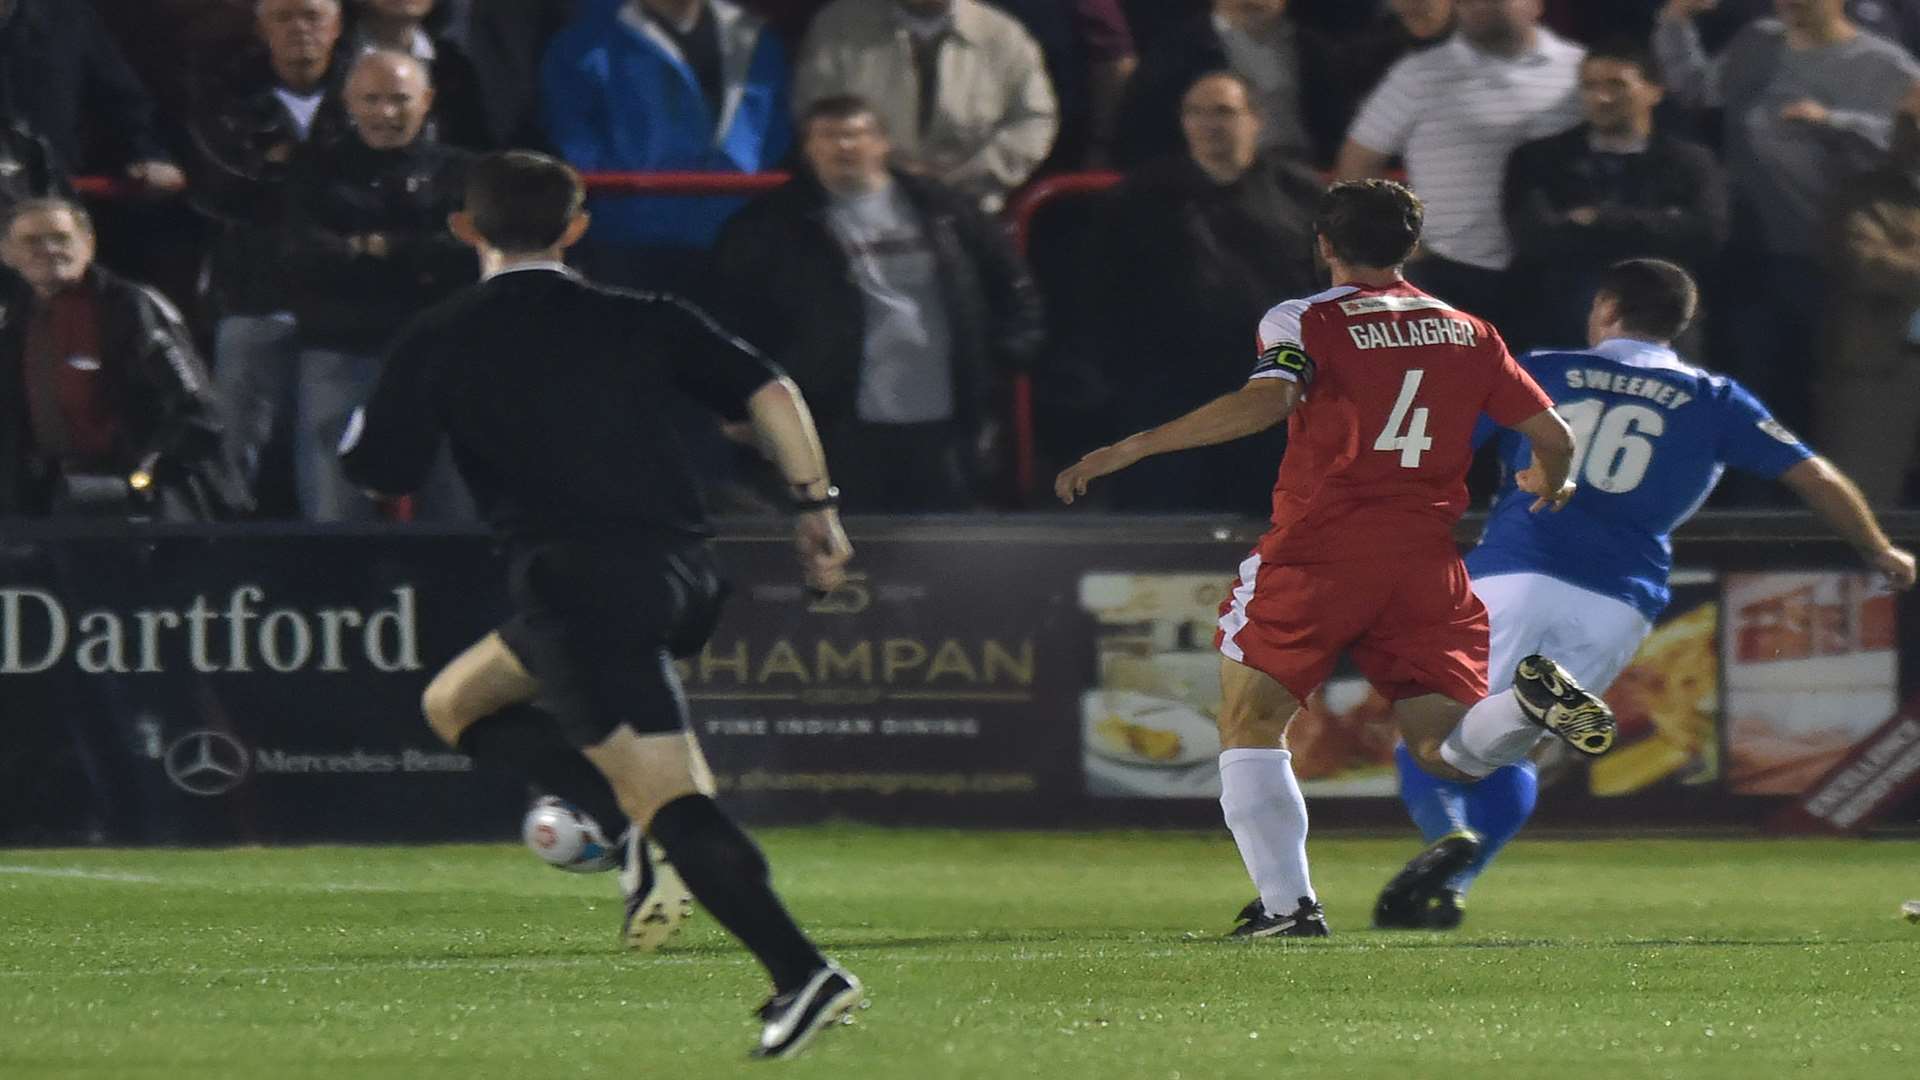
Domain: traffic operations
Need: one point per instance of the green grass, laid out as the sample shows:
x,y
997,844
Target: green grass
x,y
986,955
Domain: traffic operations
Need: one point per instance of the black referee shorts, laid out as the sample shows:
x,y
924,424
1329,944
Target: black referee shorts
x,y
599,623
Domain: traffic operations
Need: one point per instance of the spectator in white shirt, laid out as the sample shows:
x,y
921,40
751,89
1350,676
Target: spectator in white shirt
x,y
1454,113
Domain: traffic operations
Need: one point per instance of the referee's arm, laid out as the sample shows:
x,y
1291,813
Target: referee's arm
x,y
783,426
785,429
391,441
732,378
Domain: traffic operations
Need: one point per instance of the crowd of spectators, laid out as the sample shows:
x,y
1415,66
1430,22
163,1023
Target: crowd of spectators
x,y
1771,146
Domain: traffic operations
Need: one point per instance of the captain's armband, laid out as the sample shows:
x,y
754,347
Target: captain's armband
x,y
1284,361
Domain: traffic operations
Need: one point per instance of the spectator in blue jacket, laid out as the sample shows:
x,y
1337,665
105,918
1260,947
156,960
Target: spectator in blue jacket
x,y
664,85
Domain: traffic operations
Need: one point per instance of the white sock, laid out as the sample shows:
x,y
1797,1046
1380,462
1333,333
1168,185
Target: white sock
x,y
1493,734
1268,816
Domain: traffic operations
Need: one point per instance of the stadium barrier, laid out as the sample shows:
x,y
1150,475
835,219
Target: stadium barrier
x,y
261,683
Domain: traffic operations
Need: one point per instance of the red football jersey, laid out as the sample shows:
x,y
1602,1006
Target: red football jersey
x,y
1377,454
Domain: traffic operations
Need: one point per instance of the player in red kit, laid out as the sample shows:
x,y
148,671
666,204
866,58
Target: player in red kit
x,y
1381,386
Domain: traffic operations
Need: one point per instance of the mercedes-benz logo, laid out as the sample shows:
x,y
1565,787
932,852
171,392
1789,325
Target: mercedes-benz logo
x,y
206,763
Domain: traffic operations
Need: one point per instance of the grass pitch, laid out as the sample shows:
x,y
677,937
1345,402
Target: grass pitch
x,y
986,955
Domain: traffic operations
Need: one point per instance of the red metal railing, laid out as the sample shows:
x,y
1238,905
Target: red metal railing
x,y
1020,212
684,183
1030,200
1025,205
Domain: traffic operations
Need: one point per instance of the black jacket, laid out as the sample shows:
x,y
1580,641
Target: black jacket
x,y
355,301
27,167
787,287
1182,270
63,77
1149,125
243,144
1669,202
506,42
161,388
460,102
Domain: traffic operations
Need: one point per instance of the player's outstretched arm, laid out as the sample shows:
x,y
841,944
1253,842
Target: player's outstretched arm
x,y
1255,407
1833,496
1549,478
785,429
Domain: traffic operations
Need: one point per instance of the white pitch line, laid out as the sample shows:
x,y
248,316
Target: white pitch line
x,y
123,877
84,874
530,963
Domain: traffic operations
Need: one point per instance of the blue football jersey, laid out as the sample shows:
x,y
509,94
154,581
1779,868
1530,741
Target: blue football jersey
x,y
1654,434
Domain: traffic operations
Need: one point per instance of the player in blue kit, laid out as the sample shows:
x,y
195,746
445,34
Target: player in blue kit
x,y
1654,434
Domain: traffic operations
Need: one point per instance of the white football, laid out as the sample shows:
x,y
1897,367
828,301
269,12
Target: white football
x,y
564,836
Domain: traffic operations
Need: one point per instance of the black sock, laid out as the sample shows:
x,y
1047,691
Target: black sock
x,y
523,740
726,872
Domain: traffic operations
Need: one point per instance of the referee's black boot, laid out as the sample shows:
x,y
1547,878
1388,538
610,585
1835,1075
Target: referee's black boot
x,y
792,1019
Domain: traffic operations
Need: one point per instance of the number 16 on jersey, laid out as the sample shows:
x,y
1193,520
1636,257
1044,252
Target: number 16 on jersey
x,y
1614,446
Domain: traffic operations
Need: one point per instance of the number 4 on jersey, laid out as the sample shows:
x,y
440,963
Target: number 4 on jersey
x,y
1414,441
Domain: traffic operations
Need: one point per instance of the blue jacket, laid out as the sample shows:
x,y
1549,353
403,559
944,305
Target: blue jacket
x,y
618,97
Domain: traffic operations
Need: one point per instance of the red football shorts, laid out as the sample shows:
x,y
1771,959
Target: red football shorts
x,y
1410,622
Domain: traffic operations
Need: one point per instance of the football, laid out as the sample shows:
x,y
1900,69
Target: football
x,y
564,836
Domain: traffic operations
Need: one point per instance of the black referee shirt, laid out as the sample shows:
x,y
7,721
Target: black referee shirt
x,y
556,397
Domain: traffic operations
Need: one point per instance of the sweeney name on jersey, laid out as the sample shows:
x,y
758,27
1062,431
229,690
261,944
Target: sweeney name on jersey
x,y
1615,382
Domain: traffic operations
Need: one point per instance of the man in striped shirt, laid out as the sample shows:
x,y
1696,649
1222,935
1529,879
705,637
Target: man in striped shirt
x,y
1454,113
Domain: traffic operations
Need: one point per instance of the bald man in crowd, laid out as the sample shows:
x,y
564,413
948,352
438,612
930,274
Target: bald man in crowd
x,y
367,248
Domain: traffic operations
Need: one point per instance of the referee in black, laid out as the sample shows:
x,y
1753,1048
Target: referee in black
x,y
556,396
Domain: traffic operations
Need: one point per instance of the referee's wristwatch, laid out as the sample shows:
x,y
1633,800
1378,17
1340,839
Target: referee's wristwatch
x,y
828,500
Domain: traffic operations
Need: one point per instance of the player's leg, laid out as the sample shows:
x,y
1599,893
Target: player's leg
x,y
661,780
1428,655
1503,728
1581,634
1281,629
1424,720
663,785
1495,808
626,711
1439,809
1436,806
1261,800
481,705
1593,637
